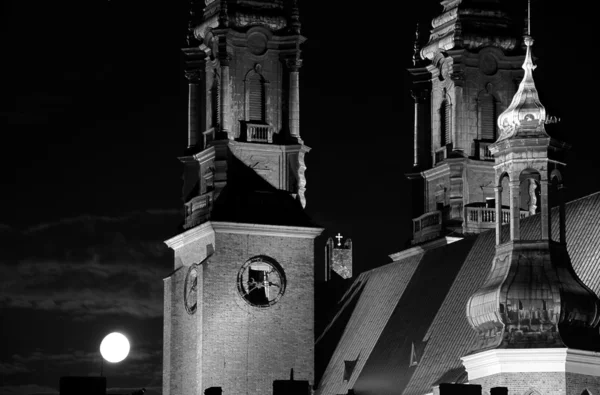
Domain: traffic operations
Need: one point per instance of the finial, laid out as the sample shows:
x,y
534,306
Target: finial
x,y
339,238
528,18
416,46
295,18
525,111
223,14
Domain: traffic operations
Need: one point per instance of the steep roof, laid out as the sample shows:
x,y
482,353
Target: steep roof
x,y
408,329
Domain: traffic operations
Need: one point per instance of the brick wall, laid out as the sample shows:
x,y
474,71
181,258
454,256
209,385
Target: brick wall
x,y
228,343
247,348
180,345
545,383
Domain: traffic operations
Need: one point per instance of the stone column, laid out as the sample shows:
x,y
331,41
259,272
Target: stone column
x,y
498,207
561,207
544,210
418,100
515,208
294,98
194,132
225,96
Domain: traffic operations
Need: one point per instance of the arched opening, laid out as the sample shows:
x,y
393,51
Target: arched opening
x,y
556,201
530,202
445,120
488,114
586,392
502,205
215,101
255,98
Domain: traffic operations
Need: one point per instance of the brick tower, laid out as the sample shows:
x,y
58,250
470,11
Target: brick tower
x,y
239,305
537,323
463,78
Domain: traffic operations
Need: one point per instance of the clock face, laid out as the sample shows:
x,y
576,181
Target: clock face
x,y
261,282
190,289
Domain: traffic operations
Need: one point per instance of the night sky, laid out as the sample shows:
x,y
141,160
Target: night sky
x,y
93,118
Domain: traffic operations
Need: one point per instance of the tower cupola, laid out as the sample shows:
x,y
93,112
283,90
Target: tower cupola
x,y
532,297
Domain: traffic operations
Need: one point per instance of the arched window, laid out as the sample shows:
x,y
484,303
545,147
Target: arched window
x,y
255,96
487,116
215,100
445,121
586,392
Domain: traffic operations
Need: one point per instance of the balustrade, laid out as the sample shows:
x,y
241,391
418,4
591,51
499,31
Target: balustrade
x,y
480,218
259,133
427,226
483,150
198,209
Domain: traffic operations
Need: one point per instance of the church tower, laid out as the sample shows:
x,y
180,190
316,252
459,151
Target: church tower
x,y
463,78
537,323
239,305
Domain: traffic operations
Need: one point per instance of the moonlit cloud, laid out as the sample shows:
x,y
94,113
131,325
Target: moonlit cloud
x,y
90,266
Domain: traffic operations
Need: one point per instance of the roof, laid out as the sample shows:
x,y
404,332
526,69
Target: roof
x,y
249,198
414,309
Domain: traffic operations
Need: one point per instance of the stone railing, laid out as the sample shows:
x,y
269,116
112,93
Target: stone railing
x,y
427,226
477,219
209,136
198,209
259,133
440,155
483,150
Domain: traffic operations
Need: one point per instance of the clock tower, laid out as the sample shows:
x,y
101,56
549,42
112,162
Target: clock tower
x,y
239,304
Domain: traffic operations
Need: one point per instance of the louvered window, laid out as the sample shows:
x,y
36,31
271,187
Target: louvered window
x,y
215,98
487,111
256,98
445,123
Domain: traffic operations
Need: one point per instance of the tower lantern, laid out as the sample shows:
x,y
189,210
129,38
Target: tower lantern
x,y
532,302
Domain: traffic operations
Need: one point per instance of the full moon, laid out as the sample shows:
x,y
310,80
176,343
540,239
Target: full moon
x,y
114,347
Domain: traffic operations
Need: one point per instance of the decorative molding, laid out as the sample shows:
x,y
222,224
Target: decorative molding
x,y
532,360
193,75
189,236
266,230
424,247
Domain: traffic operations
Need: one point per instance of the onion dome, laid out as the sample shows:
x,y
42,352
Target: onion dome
x,y
532,298
526,115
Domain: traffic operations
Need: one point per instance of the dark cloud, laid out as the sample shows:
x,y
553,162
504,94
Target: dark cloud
x,y
27,389
90,266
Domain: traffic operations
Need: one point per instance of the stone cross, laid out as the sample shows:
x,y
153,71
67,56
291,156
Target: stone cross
x,y
339,239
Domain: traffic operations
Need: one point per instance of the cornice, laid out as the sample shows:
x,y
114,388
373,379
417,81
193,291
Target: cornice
x,y
424,247
270,147
191,235
532,360
205,155
266,230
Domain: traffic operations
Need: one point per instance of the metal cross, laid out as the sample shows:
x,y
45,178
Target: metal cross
x,y
339,238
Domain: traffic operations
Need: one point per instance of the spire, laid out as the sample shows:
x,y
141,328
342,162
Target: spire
x,y
526,115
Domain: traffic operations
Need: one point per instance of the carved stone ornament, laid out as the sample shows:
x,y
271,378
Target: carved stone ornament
x,y
190,289
193,75
488,64
257,43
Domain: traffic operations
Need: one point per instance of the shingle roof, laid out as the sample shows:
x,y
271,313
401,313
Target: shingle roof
x,y
421,301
